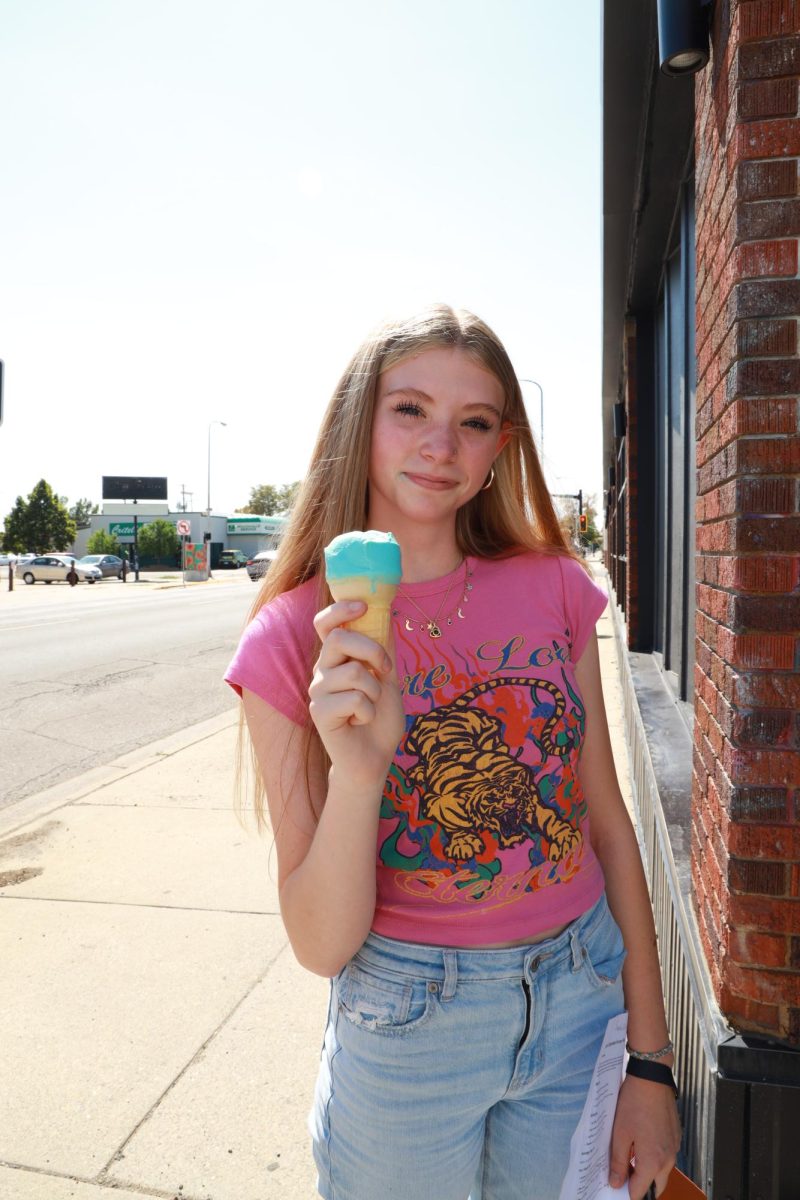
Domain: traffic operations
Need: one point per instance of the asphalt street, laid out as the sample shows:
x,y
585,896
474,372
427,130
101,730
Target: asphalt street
x,y
93,672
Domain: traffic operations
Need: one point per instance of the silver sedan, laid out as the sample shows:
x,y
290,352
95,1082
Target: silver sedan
x,y
51,567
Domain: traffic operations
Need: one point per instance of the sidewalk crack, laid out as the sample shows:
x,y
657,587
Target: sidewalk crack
x,y
104,1176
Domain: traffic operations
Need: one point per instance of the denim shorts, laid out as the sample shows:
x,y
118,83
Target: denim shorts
x,y
449,1074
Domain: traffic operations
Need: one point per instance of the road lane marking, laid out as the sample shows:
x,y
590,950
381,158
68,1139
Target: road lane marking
x,y
39,624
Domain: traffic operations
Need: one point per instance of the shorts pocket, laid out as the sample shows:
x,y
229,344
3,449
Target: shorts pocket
x,y
603,953
381,1003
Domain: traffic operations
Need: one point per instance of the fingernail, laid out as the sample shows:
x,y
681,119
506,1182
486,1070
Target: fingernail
x,y
353,605
614,1179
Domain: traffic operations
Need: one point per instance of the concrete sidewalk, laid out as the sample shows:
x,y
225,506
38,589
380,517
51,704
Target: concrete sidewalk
x,y
158,1038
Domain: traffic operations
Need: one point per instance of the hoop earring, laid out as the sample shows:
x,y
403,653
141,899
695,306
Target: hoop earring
x,y
489,481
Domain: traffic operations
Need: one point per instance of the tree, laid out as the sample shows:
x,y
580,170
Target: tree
x,y
102,542
81,513
159,539
269,498
14,536
39,524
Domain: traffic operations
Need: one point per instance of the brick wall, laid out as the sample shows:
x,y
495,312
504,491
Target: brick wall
x,y
746,771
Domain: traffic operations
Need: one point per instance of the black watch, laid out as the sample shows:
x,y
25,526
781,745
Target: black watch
x,y
656,1072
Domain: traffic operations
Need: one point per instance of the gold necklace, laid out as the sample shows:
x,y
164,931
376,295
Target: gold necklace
x,y
432,624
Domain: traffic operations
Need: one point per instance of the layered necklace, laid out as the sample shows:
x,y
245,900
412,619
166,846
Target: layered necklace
x,y
433,625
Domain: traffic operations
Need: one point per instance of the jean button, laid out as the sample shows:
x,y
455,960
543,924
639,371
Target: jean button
x,y
433,987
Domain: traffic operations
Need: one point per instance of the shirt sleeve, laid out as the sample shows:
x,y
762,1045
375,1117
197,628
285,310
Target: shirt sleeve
x,y
273,658
584,602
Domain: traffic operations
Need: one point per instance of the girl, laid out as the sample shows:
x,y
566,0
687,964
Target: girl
x,y
475,960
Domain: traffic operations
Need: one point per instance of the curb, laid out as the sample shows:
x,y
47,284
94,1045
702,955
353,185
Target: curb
x,y
31,808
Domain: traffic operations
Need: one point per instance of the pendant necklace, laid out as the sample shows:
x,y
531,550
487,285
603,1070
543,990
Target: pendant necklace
x,y
433,625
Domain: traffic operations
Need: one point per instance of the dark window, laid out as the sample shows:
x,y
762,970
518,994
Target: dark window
x,y
674,450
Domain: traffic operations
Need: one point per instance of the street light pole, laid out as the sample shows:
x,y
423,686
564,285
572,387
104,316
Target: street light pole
x,y
208,494
541,416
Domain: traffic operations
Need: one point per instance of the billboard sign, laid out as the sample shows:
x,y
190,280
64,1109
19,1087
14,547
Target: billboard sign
x,y
134,487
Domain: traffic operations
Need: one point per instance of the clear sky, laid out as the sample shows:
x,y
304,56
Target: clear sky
x,y
204,205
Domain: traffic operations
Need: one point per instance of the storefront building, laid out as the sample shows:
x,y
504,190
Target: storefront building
x,y
250,534
701,377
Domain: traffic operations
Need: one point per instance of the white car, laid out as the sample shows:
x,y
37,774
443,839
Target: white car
x,y
259,564
51,567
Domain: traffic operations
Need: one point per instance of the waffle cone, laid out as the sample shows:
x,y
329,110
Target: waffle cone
x,y
375,623
377,620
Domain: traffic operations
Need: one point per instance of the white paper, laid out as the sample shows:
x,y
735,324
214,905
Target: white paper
x,y
589,1157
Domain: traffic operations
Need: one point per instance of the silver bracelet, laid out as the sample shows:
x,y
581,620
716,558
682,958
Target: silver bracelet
x,y
650,1055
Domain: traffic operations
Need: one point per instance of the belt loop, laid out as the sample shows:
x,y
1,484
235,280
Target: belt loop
x,y
577,959
450,974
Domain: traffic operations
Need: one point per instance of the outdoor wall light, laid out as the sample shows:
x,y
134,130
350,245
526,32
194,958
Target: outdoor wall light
x,y
683,35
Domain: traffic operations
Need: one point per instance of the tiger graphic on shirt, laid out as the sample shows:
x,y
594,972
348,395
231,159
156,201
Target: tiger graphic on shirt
x,y
470,784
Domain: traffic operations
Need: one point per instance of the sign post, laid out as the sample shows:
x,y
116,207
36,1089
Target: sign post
x,y
183,528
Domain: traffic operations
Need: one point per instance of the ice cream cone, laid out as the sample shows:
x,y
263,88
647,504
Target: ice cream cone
x,y
365,566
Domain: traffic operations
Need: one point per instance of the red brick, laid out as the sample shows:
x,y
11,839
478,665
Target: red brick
x,y
767,179
767,690
772,768
767,98
761,650
768,456
764,377
776,613
764,298
774,338
759,805
744,1013
763,60
766,573
751,841
767,219
757,877
758,949
767,987
755,259
775,534
767,495
765,913
766,139
766,727
760,19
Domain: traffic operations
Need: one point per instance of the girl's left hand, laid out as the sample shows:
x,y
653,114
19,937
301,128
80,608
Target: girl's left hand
x,y
647,1130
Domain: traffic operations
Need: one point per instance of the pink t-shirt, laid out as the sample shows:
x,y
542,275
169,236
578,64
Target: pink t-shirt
x,y
484,830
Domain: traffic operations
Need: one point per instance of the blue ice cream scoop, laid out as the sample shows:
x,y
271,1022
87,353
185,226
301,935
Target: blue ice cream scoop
x,y
366,554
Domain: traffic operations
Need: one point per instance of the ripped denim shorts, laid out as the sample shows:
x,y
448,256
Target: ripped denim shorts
x,y
449,1073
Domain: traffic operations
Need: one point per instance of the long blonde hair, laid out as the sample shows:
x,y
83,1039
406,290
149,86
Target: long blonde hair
x,y
514,515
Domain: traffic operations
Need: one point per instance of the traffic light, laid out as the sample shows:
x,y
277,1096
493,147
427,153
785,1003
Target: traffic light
x,y
584,522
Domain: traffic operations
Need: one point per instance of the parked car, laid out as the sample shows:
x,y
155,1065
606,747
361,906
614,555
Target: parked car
x,y
51,567
233,559
109,565
17,559
258,566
